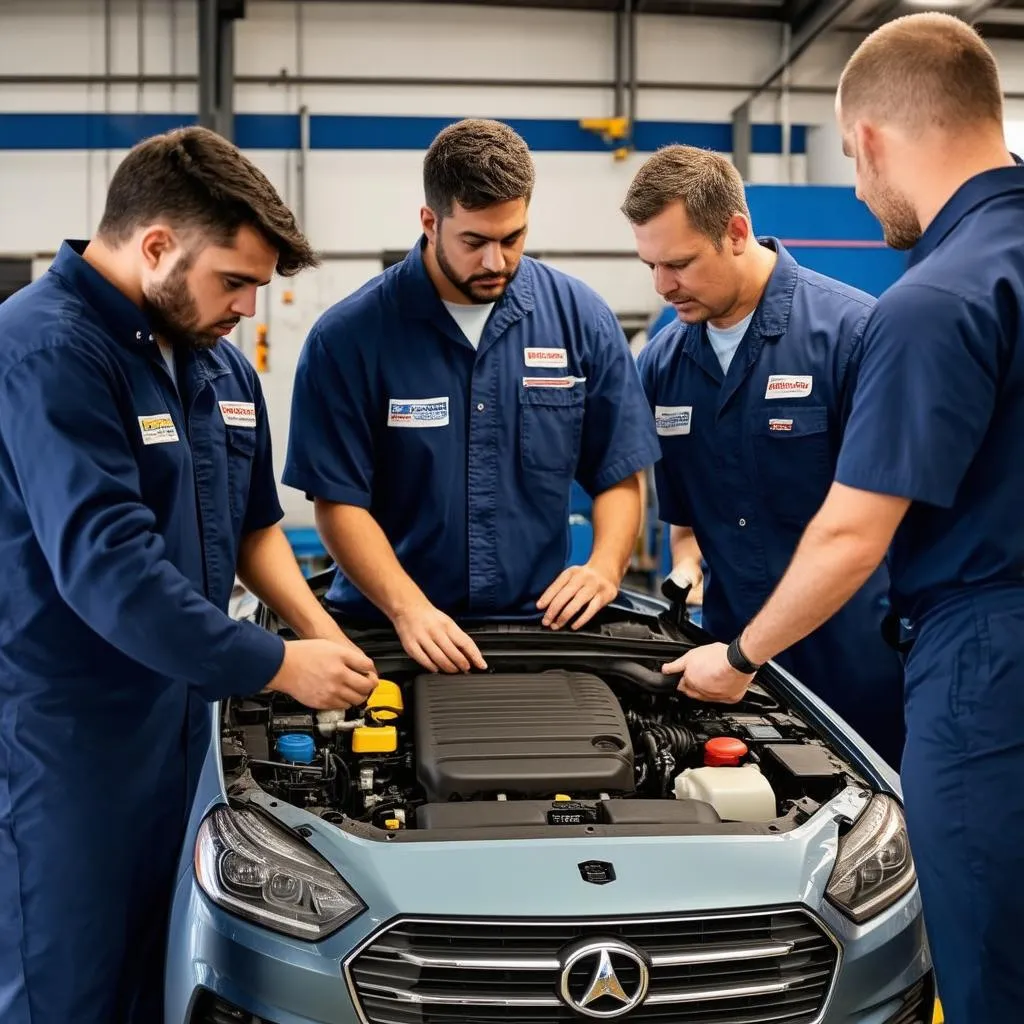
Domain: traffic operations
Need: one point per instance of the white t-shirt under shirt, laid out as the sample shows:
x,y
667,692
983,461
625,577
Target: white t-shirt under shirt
x,y
167,351
472,319
725,340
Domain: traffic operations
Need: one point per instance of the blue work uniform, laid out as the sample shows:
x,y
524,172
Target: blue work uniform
x,y
938,418
122,504
747,459
466,457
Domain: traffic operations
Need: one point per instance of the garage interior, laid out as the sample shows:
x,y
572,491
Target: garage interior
x,y
336,101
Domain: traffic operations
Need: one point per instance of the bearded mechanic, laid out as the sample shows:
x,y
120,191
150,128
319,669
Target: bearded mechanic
x,y
441,413
930,470
751,391
135,481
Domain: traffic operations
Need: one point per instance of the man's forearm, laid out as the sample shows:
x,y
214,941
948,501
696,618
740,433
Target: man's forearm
x,y
684,545
616,518
268,569
362,550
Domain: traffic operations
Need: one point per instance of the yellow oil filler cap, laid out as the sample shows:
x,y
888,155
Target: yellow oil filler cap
x,y
374,739
385,703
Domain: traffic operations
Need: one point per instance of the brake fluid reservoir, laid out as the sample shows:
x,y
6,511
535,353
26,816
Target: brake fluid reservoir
x,y
738,793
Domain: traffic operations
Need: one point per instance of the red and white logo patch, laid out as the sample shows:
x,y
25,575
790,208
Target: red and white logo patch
x,y
546,357
784,385
552,382
774,425
238,414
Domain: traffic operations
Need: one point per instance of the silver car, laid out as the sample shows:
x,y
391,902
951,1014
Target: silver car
x,y
562,838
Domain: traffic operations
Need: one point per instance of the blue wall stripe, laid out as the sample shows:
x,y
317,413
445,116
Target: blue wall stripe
x,y
366,131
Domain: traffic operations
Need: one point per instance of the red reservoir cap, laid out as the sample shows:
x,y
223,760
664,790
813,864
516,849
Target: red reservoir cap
x,y
724,751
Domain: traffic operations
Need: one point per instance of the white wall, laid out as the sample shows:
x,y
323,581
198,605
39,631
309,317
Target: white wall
x,y
367,201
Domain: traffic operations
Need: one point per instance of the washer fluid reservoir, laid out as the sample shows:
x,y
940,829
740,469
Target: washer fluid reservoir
x,y
739,793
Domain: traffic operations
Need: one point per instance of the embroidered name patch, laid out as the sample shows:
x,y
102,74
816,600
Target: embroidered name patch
x,y
552,382
780,425
546,357
782,385
672,420
238,414
158,429
418,412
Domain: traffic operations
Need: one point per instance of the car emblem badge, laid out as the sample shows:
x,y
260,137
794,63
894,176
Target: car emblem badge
x,y
613,979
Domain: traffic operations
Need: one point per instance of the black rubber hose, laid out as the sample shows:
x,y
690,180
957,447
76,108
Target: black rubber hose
x,y
645,678
677,738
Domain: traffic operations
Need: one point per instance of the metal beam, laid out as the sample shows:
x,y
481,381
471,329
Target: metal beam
x,y
216,21
818,21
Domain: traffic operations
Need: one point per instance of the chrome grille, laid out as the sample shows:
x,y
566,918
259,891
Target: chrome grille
x,y
766,968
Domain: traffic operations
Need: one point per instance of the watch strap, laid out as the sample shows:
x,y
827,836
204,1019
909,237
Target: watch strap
x,y
739,660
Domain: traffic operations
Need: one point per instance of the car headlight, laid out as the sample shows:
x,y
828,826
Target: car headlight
x,y
874,867
249,866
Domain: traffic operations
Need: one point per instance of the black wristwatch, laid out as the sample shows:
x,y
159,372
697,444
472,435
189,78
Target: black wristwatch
x,y
739,660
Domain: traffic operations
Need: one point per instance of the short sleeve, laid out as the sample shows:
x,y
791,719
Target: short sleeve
x,y
924,395
330,437
672,504
618,434
264,506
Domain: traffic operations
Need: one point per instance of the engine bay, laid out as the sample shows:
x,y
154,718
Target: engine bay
x,y
534,749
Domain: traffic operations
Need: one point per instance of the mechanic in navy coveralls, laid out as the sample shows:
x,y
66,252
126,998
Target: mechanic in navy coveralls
x,y
441,413
751,389
931,465
135,480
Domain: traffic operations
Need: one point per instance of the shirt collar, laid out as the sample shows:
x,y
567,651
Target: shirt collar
x,y
972,193
771,317
125,321
123,318
420,297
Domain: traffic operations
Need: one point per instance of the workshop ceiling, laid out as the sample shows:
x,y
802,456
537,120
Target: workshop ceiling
x,y
996,19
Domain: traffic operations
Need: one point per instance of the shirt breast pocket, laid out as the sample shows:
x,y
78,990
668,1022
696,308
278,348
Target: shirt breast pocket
x,y
240,445
550,427
794,460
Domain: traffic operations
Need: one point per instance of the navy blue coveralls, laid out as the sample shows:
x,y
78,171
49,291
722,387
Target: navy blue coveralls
x,y
938,417
121,511
746,463
465,457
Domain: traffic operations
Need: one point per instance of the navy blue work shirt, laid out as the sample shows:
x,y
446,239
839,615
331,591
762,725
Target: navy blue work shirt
x,y
938,415
122,505
747,460
466,457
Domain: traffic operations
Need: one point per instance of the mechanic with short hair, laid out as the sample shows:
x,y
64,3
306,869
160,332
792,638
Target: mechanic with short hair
x,y
751,390
930,472
135,481
442,412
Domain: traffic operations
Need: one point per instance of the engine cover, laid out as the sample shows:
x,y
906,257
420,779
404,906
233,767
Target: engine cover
x,y
526,735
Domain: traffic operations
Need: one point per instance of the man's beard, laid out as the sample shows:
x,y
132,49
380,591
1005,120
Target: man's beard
x,y
900,227
172,312
480,296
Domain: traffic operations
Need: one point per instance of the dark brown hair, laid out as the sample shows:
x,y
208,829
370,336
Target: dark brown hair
x,y
193,178
476,163
921,70
708,186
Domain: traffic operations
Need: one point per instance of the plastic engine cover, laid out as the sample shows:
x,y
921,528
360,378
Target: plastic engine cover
x,y
526,735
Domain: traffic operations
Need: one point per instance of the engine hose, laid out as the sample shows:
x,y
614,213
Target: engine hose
x,y
679,740
645,678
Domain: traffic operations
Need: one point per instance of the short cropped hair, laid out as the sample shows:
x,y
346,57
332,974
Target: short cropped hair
x,y
194,179
706,183
921,70
476,163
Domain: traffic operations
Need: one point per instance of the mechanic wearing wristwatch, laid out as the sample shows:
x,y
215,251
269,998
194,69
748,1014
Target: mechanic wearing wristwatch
x,y
750,389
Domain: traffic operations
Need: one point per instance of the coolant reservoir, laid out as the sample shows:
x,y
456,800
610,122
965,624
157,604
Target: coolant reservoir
x,y
739,793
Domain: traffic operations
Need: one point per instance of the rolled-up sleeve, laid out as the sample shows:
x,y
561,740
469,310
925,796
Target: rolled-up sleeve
x,y
618,433
924,397
330,439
